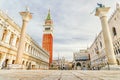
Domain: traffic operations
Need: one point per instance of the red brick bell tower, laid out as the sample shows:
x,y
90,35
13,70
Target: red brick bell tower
x,y
47,42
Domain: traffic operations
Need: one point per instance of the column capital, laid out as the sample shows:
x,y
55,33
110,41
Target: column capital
x,y
26,16
102,11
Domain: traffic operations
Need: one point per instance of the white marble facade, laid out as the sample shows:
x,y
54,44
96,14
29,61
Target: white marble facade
x,y
34,56
81,60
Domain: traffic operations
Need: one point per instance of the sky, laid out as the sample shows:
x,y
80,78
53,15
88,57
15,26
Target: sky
x,y
75,27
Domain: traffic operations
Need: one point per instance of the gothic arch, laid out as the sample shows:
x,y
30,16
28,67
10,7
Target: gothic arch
x,y
11,39
4,35
114,31
118,62
78,64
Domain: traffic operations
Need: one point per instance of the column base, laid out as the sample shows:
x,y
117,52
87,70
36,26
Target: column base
x,y
111,67
15,66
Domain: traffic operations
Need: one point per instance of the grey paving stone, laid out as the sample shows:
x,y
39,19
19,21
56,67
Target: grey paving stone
x,y
58,75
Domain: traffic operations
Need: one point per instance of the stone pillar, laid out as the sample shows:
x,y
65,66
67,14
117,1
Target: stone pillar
x,y
101,12
1,32
26,47
2,61
26,16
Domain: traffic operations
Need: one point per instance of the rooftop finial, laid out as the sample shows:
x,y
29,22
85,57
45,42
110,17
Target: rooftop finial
x,y
49,10
48,16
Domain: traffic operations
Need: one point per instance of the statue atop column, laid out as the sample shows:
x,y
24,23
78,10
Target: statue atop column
x,y
100,5
101,12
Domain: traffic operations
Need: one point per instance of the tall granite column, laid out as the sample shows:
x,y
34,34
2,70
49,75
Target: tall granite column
x,y
26,16
101,13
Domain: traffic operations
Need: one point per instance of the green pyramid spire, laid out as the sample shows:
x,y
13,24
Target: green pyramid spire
x,y
48,16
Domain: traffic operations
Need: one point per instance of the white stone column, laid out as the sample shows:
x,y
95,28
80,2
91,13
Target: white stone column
x,y
101,12
26,47
1,32
26,16
2,60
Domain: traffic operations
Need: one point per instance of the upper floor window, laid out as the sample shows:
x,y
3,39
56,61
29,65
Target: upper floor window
x,y
114,31
115,18
101,44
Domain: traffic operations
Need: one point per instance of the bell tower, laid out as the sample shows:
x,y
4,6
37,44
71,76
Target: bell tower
x,y
47,42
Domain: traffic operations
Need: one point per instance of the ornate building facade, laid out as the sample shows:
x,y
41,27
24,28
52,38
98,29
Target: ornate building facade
x,y
81,60
34,56
97,49
47,42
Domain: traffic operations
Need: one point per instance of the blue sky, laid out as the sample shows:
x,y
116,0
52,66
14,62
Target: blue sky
x,y
74,27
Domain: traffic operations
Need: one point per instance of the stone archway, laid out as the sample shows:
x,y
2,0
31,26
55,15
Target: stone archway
x,y
33,66
78,65
73,65
118,62
29,66
6,62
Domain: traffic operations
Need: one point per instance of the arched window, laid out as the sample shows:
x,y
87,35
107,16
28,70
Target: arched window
x,y
23,62
100,44
4,35
11,39
116,52
13,62
26,47
29,49
17,42
27,63
119,51
114,31
78,64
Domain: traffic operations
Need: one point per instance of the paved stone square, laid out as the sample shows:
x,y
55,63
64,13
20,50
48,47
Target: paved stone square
x,y
58,75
